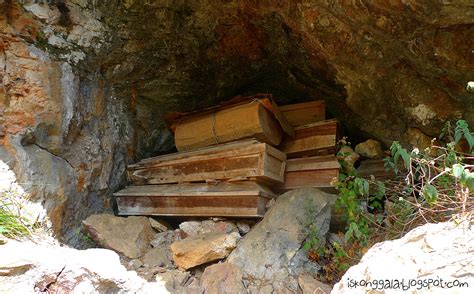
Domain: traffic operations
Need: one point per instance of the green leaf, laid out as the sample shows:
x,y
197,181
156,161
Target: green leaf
x,y
469,139
350,232
430,193
457,136
361,186
458,170
469,182
405,156
306,246
380,188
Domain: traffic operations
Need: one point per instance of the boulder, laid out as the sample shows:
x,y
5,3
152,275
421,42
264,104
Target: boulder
x,y
371,149
26,267
204,248
158,257
129,236
244,227
166,238
417,138
310,285
439,252
272,250
222,278
175,281
159,226
193,228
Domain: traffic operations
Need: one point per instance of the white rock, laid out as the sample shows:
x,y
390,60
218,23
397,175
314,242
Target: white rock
x,y
26,267
432,251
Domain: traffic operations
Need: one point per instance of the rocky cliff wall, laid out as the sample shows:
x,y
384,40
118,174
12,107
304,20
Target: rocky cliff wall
x,y
85,83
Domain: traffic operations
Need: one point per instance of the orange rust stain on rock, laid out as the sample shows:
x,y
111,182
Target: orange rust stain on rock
x,y
241,39
81,179
16,122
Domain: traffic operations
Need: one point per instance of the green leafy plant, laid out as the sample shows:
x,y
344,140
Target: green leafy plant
x,y
462,131
313,240
430,185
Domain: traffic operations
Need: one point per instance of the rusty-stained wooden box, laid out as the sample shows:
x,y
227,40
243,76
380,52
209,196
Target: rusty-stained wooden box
x,y
318,171
239,199
249,159
318,138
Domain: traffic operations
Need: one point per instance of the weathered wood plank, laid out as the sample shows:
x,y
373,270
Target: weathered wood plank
x,y
233,160
376,168
242,199
250,120
304,113
311,172
312,139
271,106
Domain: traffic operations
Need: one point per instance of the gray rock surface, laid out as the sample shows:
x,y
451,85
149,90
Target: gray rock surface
x,y
129,236
193,228
164,239
270,251
158,257
222,278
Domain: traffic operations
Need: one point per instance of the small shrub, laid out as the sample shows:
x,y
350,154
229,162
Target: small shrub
x,y
432,185
11,224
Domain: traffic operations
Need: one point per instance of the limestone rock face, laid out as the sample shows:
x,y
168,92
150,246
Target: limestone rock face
x,y
370,149
129,236
85,84
203,248
272,250
157,257
222,278
432,251
26,267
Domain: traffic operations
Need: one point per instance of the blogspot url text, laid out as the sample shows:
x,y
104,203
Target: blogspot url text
x,y
406,284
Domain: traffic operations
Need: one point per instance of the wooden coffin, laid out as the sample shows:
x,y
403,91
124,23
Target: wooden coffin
x,y
318,171
248,120
241,199
375,168
304,113
313,139
237,160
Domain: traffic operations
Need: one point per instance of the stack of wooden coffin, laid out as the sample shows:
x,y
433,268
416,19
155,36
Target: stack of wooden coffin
x,y
233,159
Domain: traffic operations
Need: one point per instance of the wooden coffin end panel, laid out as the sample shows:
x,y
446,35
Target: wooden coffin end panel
x,y
309,178
304,113
316,171
312,139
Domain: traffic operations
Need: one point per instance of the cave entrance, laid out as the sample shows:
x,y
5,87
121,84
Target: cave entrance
x,y
233,159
